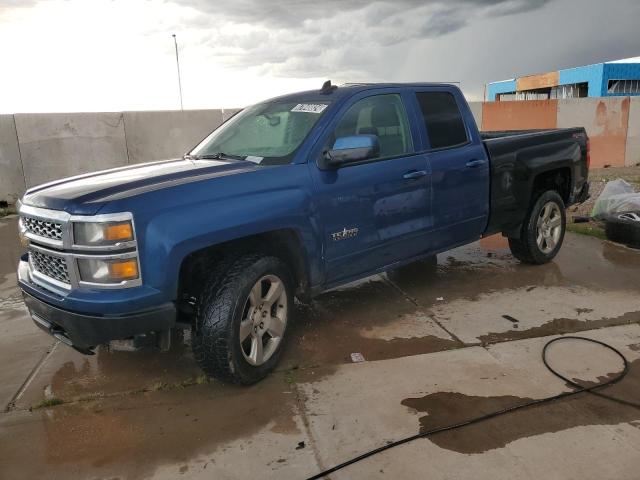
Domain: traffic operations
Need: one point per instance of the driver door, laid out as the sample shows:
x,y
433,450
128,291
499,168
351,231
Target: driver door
x,y
374,212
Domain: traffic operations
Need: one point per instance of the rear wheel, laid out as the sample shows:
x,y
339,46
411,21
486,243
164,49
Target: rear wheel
x,y
242,319
542,230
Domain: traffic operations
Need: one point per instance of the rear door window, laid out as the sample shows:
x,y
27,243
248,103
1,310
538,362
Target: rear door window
x,y
442,119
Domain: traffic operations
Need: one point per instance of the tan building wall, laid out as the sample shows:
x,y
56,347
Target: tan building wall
x,y
533,82
519,115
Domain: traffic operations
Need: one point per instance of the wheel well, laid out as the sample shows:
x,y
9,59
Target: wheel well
x,y
284,244
558,180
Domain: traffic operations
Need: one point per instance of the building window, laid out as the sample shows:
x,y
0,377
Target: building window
x,y
624,86
572,90
506,96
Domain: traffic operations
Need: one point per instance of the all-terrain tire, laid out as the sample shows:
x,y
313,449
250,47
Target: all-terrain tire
x,y
220,306
526,248
623,230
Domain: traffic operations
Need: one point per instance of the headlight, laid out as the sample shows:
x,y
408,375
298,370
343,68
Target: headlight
x,y
103,233
97,270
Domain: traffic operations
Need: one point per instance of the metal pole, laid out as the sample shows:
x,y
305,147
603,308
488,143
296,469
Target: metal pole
x,y
175,42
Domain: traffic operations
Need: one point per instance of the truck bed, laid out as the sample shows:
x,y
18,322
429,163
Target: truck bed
x,y
517,157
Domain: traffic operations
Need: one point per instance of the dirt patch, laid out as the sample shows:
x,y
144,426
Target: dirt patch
x,y
446,408
132,435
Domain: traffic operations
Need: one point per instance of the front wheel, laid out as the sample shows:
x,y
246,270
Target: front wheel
x,y
542,230
242,319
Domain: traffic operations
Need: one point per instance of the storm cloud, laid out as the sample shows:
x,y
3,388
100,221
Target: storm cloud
x,y
305,38
233,52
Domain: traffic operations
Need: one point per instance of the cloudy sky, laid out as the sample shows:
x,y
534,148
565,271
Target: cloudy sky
x,y
110,55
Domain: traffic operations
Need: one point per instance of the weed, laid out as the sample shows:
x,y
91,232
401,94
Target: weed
x,y
48,402
591,229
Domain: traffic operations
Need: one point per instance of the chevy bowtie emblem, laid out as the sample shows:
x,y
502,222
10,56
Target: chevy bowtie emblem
x,y
344,234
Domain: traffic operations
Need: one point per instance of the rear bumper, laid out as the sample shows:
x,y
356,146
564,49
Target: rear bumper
x,y
84,331
584,193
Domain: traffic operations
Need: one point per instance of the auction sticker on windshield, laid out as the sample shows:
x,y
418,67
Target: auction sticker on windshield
x,y
309,107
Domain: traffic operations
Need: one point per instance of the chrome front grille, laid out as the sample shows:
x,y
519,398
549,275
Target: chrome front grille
x,y
43,228
50,266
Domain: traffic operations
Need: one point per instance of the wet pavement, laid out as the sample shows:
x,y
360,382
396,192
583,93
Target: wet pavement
x,y
443,340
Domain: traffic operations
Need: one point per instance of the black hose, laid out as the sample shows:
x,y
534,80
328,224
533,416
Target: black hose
x,y
578,389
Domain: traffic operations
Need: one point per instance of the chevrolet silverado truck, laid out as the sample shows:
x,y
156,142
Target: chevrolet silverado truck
x,y
288,198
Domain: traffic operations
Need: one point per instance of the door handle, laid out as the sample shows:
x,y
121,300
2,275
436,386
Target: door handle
x,y
414,174
475,163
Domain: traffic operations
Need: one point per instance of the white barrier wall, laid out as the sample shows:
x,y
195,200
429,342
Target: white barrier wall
x,y
161,135
40,147
55,145
476,110
11,177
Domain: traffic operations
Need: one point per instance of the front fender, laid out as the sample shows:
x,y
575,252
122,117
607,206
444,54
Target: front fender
x,y
174,234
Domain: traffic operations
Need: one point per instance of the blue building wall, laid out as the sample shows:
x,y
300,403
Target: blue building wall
x,y
597,76
590,73
495,88
618,71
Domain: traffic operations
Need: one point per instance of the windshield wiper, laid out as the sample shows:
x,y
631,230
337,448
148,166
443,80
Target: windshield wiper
x,y
215,156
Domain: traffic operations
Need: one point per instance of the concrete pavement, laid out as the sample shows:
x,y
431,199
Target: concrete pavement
x,y
442,342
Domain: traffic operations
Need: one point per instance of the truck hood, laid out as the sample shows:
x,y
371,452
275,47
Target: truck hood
x,y
86,194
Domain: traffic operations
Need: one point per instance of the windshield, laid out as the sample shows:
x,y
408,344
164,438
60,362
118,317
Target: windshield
x,y
267,133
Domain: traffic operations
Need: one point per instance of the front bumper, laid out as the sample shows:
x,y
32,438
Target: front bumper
x,y
84,331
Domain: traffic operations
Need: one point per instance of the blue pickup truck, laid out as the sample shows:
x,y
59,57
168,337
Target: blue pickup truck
x,y
288,198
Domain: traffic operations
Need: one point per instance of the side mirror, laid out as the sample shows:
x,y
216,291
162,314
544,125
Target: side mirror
x,y
351,149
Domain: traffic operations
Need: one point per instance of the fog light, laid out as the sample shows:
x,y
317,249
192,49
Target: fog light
x,y
124,269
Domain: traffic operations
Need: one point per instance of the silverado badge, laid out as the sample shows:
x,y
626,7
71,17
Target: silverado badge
x,y
344,234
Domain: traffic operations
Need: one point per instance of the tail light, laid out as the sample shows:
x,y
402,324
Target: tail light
x,y
588,142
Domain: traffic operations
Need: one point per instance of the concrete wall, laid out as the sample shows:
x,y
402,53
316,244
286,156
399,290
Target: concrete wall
x,y
55,145
11,177
632,150
476,110
159,135
37,148
605,120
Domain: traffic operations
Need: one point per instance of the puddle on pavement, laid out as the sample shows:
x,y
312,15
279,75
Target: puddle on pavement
x,y
535,311
446,408
135,434
559,326
371,318
487,266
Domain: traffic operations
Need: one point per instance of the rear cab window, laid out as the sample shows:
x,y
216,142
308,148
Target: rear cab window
x,y
442,119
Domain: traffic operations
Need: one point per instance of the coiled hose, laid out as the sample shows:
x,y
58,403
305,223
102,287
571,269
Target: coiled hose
x,y
578,389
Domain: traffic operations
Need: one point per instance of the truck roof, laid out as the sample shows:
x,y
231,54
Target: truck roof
x,y
348,89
